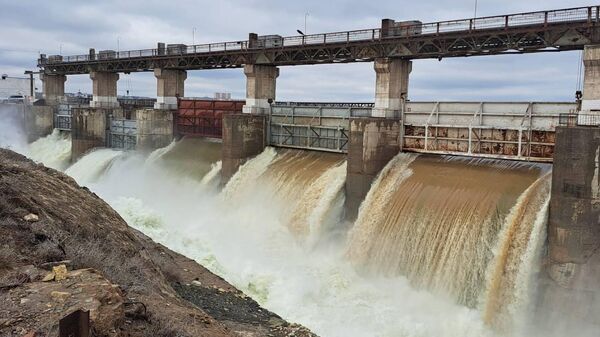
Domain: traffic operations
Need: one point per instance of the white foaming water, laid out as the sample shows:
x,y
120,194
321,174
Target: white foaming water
x,y
91,166
53,150
213,177
242,183
12,135
246,241
243,235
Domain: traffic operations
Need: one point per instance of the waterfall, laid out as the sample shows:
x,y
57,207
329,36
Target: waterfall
x,y
441,246
91,166
213,177
516,255
53,150
303,185
436,220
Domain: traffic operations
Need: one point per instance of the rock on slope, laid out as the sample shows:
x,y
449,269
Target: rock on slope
x,y
148,290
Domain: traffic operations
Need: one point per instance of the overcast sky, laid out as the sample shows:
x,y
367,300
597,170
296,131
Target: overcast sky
x,y
30,27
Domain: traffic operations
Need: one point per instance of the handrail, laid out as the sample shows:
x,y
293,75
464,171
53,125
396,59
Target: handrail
x,y
587,14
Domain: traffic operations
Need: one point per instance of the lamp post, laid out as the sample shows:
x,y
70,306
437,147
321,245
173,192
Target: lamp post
x,y
193,36
306,15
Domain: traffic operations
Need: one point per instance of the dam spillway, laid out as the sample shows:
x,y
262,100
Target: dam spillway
x,y
352,218
461,237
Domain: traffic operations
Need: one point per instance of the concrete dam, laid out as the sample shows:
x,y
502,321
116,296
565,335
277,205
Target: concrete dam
x,y
386,218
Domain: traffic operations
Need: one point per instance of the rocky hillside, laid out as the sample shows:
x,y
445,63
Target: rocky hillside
x,y
62,248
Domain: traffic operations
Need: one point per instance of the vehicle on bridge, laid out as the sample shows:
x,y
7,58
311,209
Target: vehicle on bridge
x,y
391,28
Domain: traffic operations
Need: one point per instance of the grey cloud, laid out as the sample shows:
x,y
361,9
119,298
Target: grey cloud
x,y
29,26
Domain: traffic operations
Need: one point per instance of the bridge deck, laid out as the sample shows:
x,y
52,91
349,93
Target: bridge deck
x,y
544,31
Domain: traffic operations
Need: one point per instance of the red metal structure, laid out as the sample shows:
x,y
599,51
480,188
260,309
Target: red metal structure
x,y
203,117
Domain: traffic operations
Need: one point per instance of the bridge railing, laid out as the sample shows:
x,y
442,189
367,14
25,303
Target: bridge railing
x,y
579,14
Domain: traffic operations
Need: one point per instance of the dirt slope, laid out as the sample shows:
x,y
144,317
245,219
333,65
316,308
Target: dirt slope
x,y
46,217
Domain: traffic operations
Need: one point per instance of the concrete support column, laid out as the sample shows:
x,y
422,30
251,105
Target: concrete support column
x,y
88,130
572,291
373,143
170,86
591,79
391,88
154,128
243,138
261,83
53,88
104,89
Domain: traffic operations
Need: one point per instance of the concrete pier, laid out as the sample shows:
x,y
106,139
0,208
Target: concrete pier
x,y
591,80
391,86
573,261
243,138
53,88
261,82
88,130
39,121
104,89
170,86
154,128
373,143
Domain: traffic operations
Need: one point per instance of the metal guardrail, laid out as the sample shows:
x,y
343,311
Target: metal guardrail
x,y
579,120
561,16
324,104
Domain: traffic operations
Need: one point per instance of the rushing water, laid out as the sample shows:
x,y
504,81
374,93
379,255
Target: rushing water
x,y
442,247
456,228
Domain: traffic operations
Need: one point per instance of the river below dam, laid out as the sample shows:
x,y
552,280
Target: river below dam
x,y
441,247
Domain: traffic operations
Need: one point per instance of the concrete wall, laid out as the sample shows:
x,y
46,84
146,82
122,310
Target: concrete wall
x,y
243,138
88,131
154,128
373,143
573,263
39,121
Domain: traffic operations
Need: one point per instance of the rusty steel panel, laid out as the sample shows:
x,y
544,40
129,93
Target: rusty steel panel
x,y
204,118
534,145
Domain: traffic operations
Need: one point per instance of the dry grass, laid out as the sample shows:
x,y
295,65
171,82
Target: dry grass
x,y
48,251
123,271
9,257
161,328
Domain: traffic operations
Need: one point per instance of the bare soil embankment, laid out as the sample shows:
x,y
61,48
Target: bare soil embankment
x,y
131,285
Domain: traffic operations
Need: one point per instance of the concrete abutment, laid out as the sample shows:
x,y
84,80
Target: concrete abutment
x,y
39,121
373,143
154,129
244,136
88,130
572,270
